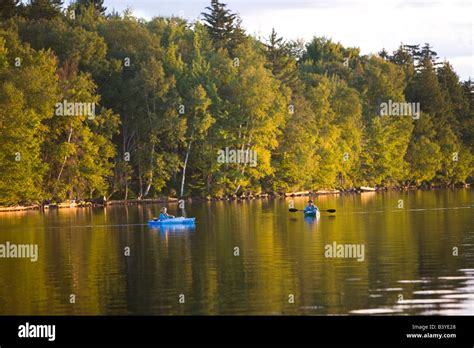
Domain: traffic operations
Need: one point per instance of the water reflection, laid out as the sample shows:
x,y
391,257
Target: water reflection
x,y
408,252
311,221
173,228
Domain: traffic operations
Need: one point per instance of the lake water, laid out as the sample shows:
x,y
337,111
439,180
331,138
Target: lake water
x,y
279,268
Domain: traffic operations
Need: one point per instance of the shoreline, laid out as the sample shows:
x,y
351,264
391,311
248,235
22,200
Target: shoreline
x,y
172,200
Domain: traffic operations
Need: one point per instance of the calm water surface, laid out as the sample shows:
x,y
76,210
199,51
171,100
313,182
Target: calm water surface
x,y
408,265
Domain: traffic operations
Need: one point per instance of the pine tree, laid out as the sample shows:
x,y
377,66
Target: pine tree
x,y
9,8
425,89
46,9
384,54
97,4
224,27
454,97
427,53
404,57
467,119
280,62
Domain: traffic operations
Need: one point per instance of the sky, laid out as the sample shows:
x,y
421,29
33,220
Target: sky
x,y
368,24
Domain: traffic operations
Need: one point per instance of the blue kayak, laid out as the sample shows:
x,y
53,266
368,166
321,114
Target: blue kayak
x,y
312,214
175,221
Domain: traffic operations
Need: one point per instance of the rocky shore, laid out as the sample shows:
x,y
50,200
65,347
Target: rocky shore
x,y
245,196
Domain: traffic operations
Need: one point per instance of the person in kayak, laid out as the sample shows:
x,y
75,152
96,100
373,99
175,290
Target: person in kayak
x,y
164,215
310,208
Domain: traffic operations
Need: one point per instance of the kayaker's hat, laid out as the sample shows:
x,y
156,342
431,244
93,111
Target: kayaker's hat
x,y
310,201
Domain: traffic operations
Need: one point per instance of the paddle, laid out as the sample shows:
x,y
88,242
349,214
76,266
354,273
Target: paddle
x,y
293,210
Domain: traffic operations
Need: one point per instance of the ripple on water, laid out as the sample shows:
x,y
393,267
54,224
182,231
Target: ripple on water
x,y
413,281
418,306
376,311
312,307
434,292
460,296
426,301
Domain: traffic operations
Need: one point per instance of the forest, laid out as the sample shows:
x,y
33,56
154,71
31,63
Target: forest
x,y
103,104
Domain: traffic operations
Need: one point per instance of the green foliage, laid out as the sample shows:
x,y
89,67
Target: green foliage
x,y
27,94
170,95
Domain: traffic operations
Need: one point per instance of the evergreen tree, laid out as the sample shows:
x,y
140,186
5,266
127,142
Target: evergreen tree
x,y
427,53
384,54
425,89
466,120
97,4
457,104
46,9
224,26
280,62
9,8
404,57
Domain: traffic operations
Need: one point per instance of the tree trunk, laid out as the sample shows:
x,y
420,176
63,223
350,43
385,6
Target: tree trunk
x,y
150,180
208,183
245,163
140,181
65,157
126,188
184,168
